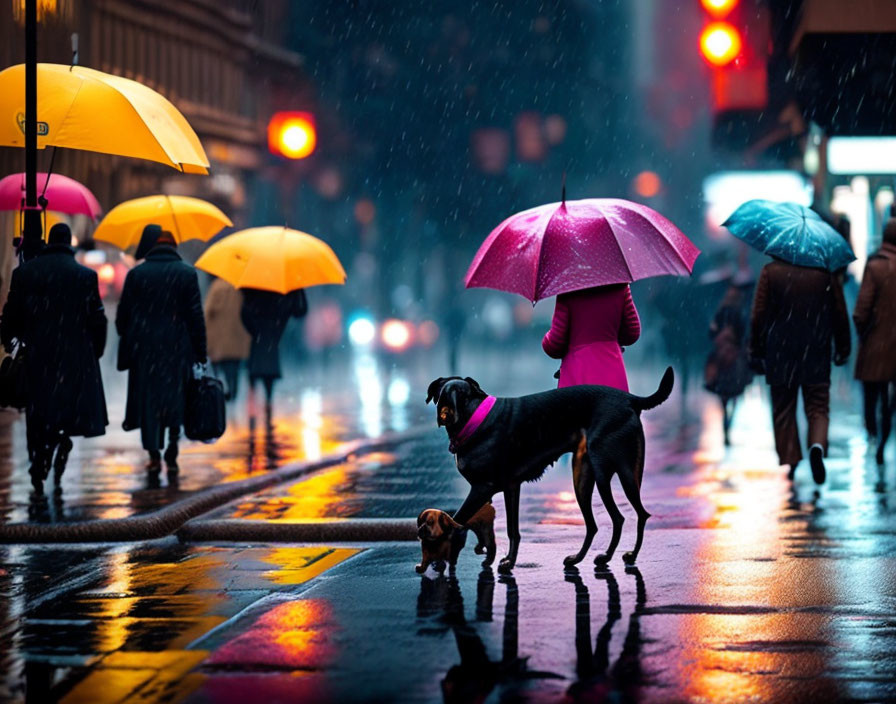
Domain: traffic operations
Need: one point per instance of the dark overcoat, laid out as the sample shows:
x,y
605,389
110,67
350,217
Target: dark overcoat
x,y
798,316
727,372
265,315
162,331
875,317
54,309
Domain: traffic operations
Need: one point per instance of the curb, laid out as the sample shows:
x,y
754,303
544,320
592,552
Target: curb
x,y
353,530
167,520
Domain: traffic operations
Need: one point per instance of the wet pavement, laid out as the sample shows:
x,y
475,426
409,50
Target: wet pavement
x,y
747,588
319,406
318,409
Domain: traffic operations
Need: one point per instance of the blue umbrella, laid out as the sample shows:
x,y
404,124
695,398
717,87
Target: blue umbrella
x,y
790,232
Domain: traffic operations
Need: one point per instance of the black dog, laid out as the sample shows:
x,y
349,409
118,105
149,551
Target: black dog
x,y
519,437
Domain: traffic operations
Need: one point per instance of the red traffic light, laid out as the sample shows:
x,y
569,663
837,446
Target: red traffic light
x,y
292,134
719,8
720,43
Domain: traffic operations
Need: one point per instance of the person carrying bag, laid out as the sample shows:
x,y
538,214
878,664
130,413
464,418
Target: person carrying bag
x,y
205,415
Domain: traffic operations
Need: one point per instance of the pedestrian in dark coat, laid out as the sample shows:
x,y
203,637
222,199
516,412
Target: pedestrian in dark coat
x,y
798,316
265,315
54,310
875,319
727,372
162,333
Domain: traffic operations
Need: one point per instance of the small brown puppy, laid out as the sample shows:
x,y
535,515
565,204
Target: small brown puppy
x,y
442,539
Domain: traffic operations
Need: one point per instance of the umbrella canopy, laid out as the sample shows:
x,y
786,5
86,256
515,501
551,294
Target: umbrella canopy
x,y
63,194
80,108
569,246
187,218
790,232
272,259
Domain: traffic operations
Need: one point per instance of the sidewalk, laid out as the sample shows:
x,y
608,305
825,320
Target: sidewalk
x,y
318,408
316,412
745,590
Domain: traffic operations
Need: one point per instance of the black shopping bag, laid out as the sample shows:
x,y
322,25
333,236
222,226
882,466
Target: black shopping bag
x,y
14,380
205,418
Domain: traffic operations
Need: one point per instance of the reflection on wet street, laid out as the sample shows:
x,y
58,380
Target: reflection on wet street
x,y
127,618
748,588
106,479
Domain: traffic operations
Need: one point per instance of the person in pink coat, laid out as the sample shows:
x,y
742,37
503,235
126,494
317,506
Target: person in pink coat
x,y
588,331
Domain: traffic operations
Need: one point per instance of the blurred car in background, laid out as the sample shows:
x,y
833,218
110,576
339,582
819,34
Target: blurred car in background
x,y
111,267
392,335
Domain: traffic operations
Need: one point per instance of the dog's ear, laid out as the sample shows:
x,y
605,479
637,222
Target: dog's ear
x,y
435,388
475,386
448,523
420,519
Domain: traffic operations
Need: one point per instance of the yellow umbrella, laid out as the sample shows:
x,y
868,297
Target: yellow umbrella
x,y
80,108
272,259
187,219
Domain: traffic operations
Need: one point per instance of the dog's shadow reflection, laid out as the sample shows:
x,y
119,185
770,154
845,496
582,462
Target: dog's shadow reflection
x,y
595,677
477,674
441,603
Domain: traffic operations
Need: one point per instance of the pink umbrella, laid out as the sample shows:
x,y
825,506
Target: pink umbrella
x,y
579,244
63,194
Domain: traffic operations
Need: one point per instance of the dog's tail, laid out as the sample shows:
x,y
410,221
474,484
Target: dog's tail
x,y
645,403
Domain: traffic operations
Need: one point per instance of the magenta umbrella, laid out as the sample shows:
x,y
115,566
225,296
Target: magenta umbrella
x,y
63,194
569,246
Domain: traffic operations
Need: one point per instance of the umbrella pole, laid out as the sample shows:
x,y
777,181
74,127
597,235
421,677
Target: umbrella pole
x,y
179,237
32,240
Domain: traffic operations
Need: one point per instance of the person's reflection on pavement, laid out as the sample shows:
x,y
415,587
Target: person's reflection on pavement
x,y
596,680
271,446
38,508
250,459
46,509
271,452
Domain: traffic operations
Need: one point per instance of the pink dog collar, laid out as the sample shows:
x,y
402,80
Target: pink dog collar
x,y
472,425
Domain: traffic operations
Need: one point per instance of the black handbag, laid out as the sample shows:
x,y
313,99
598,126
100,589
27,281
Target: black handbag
x,y
205,417
14,380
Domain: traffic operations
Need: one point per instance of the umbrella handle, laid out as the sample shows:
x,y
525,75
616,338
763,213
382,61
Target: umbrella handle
x,y
47,182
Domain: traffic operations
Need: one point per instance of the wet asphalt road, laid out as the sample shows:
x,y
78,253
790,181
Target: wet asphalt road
x,y
747,589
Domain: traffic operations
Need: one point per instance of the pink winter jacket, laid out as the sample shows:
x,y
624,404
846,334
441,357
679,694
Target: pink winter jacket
x,y
587,331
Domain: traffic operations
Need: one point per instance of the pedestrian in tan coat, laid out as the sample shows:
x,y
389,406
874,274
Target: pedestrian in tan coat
x,y
875,319
228,341
799,322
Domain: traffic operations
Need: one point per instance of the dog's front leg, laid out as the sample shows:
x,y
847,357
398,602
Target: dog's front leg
x,y
512,509
479,496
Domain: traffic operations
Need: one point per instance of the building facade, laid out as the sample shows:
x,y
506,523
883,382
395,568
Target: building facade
x,y
221,62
